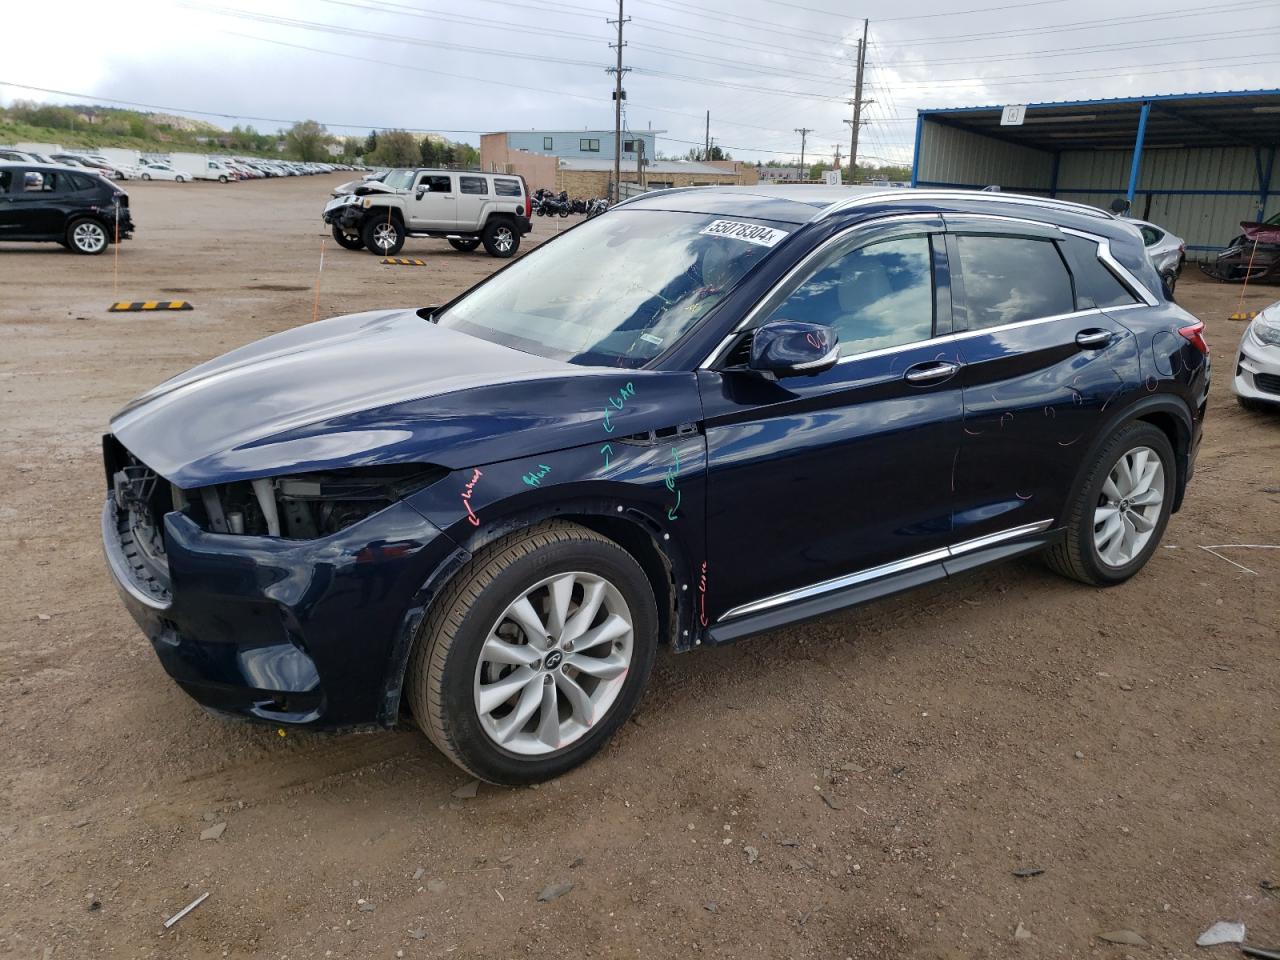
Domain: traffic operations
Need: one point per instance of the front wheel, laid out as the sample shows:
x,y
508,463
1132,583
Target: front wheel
x,y
383,237
1121,509
500,238
87,236
146,176
346,240
535,654
222,178
180,179
465,244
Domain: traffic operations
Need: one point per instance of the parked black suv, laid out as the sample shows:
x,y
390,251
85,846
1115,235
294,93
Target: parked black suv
x,y
78,209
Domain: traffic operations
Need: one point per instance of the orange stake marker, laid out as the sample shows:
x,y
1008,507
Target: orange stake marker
x,y
315,307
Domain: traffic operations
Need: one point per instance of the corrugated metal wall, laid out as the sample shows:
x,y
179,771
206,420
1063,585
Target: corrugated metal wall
x,y
961,158
1168,186
1179,188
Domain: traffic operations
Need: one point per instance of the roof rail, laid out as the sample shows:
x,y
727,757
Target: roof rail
x,y
1066,206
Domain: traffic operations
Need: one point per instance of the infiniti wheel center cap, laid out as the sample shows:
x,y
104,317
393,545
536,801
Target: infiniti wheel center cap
x,y
552,660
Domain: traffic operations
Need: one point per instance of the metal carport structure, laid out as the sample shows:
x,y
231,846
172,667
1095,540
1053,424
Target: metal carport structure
x,y
1195,163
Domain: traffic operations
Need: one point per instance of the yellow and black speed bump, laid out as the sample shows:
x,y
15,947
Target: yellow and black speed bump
x,y
1246,315
404,261
137,306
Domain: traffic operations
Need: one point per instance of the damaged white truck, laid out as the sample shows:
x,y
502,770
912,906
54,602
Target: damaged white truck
x,y
467,209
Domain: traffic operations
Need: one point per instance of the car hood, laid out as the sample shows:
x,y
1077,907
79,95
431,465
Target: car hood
x,y
377,388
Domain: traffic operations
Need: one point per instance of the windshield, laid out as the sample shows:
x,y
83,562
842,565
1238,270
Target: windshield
x,y
399,179
617,290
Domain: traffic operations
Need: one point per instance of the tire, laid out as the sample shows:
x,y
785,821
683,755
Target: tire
x,y
345,241
222,178
146,176
179,179
564,211
466,244
383,237
447,672
500,238
1086,554
87,236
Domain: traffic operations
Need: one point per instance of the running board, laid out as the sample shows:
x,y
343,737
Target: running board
x,y
832,595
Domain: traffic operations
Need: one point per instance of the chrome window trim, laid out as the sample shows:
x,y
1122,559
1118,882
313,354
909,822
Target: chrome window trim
x,y
933,194
1104,254
884,570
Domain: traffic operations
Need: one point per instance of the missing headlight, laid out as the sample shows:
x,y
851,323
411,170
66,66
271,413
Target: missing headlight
x,y
307,506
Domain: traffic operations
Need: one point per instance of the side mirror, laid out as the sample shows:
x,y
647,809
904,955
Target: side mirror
x,y
788,348
420,193
1120,206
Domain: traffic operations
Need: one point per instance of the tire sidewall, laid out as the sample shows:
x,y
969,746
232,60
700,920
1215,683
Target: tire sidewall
x,y
1127,438
485,758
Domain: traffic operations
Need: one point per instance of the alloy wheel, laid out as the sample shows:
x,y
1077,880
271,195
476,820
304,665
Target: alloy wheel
x,y
503,238
1129,506
384,236
553,663
89,237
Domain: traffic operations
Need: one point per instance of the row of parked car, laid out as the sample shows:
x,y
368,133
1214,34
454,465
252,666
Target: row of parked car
x,y
223,169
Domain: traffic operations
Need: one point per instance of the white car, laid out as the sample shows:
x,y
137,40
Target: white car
x,y
152,170
1257,379
1167,252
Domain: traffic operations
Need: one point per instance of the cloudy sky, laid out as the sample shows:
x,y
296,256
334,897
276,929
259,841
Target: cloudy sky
x,y
762,67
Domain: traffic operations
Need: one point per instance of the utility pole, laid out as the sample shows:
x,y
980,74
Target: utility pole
x,y
618,94
804,135
857,102
706,143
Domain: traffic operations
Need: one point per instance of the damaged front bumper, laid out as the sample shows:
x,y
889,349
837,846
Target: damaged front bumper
x,y
292,632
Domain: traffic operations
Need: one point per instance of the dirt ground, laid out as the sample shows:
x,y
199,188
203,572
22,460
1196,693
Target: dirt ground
x,y
862,786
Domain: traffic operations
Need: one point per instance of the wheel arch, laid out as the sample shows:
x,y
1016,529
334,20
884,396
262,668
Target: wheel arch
x,y
663,562
1168,414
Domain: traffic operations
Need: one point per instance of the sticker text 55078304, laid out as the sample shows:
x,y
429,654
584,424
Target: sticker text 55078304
x,y
750,232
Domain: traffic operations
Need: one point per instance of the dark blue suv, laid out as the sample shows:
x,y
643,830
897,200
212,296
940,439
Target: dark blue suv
x,y
708,413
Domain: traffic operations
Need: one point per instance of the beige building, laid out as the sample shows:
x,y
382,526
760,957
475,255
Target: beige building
x,y
591,176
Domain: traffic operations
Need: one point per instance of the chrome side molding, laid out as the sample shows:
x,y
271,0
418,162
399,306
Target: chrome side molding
x,y
885,569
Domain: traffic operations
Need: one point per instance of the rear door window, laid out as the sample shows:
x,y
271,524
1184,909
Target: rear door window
x,y
1011,279
476,185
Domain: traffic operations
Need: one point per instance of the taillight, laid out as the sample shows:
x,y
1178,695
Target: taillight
x,y
528,205
1194,335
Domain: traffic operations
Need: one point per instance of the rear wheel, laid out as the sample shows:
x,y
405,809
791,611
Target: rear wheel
x,y
349,241
1121,510
87,236
146,176
535,654
500,238
383,237
465,244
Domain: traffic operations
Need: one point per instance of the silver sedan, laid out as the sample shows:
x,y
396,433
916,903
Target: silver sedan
x,y
1257,379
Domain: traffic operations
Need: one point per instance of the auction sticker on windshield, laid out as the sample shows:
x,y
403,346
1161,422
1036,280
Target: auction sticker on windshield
x,y
750,232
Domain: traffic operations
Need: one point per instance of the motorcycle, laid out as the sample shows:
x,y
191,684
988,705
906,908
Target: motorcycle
x,y
596,206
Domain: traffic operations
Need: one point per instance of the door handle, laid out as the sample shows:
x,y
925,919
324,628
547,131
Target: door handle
x,y
1093,339
932,372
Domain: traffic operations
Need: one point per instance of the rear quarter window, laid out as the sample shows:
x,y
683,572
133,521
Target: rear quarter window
x,y
1095,284
504,187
